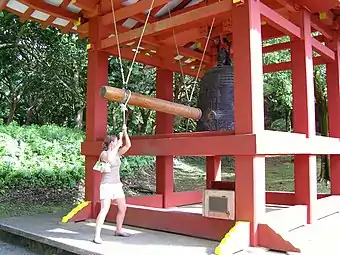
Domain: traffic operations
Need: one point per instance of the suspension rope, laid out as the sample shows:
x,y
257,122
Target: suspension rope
x,y
127,97
140,40
124,105
201,62
200,66
117,40
179,59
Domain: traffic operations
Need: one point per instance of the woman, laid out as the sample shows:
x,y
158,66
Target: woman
x,y
111,187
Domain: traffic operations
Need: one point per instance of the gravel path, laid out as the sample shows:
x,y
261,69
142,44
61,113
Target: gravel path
x,y
10,249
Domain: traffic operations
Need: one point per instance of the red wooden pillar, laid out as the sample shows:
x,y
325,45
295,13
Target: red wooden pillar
x,y
304,115
249,113
96,109
213,170
333,91
164,125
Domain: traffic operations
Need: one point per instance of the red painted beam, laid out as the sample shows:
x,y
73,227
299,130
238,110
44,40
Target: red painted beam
x,y
191,224
288,45
285,198
272,197
51,9
26,15
333,93
185,19
179,145
86,5
323,50
154,61
130,10
271,238
164,125
155,201
288,65
278,21
279,143
321,27
276,47
3,4
184,198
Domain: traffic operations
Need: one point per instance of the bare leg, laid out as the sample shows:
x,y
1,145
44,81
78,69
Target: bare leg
x,y
105,207
121,203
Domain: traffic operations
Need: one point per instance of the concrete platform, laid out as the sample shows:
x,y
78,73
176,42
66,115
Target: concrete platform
x,y
77,238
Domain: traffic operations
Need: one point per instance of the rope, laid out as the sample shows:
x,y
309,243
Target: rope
x,y
117,40
200,66
179,60
123,105
140,40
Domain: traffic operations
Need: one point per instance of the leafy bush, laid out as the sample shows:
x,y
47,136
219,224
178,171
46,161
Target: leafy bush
x,y
130,165
42,157
48,157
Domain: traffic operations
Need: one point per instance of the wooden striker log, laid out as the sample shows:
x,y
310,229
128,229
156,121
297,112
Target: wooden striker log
x,y
119,95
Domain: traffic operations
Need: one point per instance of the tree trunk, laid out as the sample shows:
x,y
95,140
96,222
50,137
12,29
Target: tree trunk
x,y
80,119
145,117
29,114
323,120
13,107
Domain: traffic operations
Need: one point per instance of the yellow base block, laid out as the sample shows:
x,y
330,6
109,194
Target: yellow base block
x,y
238,238
74,211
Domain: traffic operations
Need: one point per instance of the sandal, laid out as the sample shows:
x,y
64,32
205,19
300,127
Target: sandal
x,y
98,241
122,234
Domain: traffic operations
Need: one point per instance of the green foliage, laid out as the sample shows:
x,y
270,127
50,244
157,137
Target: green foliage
x,y
42,157
278,89
42,74
130,165
48,156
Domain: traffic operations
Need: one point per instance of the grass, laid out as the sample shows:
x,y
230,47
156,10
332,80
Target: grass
x,y
189,175
13,209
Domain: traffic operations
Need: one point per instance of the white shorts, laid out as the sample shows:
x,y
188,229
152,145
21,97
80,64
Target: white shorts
x,y
111,191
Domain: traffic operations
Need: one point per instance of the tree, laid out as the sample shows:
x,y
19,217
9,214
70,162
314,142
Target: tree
x,y
43,73
321,112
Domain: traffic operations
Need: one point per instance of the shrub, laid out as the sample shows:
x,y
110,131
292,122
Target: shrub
x,y
48,157
42,157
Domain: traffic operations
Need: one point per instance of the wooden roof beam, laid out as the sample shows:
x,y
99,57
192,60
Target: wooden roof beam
x,y
67,28
185,19
155,61
318,25
3,4
51,9
131,10
86,5
26,15
141,17
154,44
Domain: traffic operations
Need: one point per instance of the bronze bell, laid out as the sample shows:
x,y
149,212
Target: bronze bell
x,y
216,95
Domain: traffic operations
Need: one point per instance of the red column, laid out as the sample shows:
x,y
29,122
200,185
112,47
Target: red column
x,y
333,92
249,113
96,108
213,170
164,125
304,115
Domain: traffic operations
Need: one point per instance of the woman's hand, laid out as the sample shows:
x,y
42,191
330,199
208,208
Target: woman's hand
x,y
124,129
127,144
